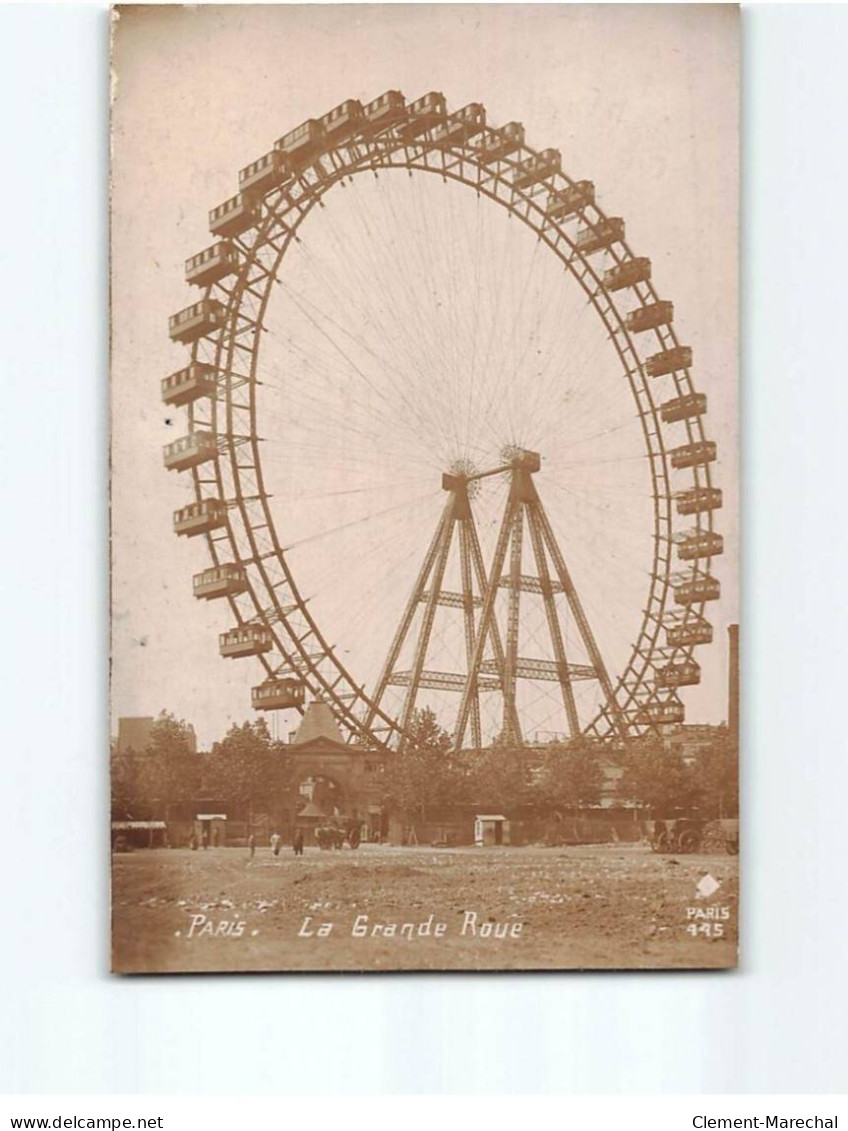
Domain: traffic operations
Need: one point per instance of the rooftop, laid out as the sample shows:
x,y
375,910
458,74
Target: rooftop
x,y
318,722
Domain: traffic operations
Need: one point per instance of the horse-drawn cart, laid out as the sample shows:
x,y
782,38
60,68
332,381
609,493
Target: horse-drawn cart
x,y
694,833
676,834
722,836
338,832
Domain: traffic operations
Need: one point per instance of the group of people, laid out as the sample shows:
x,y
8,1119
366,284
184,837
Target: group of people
x,y
204,840
276,842
297,843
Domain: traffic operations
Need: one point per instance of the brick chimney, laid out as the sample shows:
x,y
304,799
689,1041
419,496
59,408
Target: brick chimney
x,y
733,683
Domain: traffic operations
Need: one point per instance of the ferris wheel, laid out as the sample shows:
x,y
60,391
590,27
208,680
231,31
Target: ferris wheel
x,y
443,441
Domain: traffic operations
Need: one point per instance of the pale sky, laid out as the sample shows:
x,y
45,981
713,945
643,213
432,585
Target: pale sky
x,y
641,100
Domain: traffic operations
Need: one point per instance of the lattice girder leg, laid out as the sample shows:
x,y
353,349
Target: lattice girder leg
x,y
429,616
486,621
409,613
510,715
554,627
468,618
580,618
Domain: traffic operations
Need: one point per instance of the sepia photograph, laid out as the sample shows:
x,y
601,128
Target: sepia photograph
x,y
424,488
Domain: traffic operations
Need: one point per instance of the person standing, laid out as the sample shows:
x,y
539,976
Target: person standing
x,y
275,843
297,843
251,844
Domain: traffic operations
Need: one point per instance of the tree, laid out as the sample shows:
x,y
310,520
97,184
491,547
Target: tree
x,y
165,771
571,775
168,770
717,773
124,786
247,766
499,777
659,779
425,734
423,774
171,736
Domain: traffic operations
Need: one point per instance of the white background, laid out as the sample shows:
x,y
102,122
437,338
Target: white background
x,y
778,1025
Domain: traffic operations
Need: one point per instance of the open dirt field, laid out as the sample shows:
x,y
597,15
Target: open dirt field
x,y
383,908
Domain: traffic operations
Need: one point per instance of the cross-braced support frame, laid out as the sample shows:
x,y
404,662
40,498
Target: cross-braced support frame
x,y
491,666
456,522
524,505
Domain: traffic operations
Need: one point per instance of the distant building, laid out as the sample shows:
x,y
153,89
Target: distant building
x,y
613,772
135,733
318,722
691,740
333,774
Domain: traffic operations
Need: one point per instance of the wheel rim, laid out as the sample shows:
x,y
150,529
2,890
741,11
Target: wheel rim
x,y
274,598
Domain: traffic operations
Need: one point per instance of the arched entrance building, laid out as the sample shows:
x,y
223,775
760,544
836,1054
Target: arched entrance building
x,y
332,778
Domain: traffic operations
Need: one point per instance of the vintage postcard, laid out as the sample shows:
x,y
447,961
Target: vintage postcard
x,y
424,487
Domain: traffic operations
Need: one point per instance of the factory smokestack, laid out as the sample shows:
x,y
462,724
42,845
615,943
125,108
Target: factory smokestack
x,y
733,683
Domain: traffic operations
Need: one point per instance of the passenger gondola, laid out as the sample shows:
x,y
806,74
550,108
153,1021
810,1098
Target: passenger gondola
x,y
686,674
698,499
687,407
569,201
668,361
461,126
268,172
235,215
697,454
600,236
498,144
537,168
190,451
668,713
649,317
189,384
697,589
197,321
278,695
628,273
423,114
703,544
227,580
245,640
342,120
302,143
385,110
212,264
689,633
200,517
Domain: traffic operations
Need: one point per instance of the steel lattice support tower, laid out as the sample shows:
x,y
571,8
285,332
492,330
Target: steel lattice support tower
x,y
524,505
456,524
492,663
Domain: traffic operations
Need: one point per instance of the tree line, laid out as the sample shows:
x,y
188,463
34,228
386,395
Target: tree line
x,y
248,767
577,774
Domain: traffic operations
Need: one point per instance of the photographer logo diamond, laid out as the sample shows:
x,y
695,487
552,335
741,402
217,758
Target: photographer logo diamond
x,y
708,885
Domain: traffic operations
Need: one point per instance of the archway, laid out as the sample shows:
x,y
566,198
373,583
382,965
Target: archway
x,y
325,793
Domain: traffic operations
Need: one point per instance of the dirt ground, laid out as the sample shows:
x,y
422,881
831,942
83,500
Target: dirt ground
x,y
383,908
